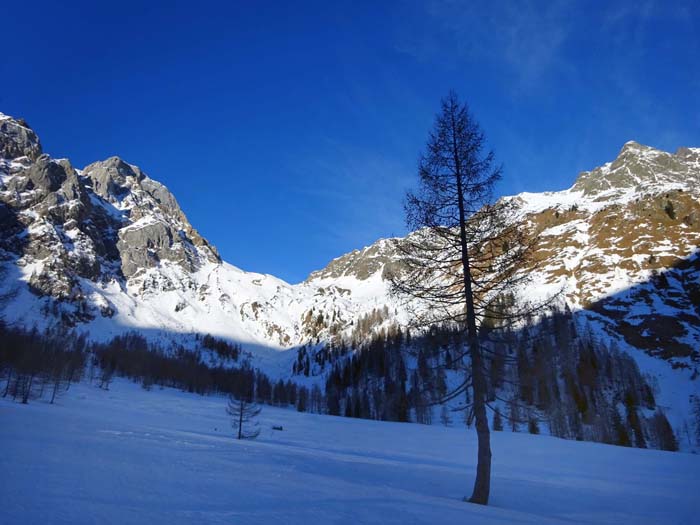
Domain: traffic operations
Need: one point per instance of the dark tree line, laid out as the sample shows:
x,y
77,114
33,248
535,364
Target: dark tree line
x,y
133,356
371,382
546,375
36,365
551,373
224,349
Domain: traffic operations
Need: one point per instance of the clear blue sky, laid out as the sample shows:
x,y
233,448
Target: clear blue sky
x,y
288,131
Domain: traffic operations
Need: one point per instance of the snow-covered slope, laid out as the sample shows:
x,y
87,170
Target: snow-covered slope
x,y
106,249
623,243
127,456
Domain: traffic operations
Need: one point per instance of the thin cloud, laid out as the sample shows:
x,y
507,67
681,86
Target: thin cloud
x,y
360,189
527,38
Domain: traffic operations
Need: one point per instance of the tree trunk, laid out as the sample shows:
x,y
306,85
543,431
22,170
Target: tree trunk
x,y
9,380
25,396
56,384
43,387
240,419
482,483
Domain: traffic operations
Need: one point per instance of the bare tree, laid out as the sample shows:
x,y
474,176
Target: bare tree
x,y
696,415
243,412
60,382
106,376
464,257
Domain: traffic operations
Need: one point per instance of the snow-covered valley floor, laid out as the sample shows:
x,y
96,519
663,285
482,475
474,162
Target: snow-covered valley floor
x,y
130,456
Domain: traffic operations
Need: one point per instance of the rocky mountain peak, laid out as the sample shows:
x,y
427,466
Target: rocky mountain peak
x,y
362,264
130,190
640,168
155,229
70,230
17,139
633,146
113,177
689,154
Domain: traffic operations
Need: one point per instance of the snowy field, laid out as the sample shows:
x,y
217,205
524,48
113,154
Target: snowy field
x,y
130,456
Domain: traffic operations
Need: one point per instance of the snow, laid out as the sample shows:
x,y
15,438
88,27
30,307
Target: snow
x,y
127,456
661,178
9,166
538,202
108,207
143,222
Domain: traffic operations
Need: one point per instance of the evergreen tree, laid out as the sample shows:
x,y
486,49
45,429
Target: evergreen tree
x,y
665,437
620,430
302,399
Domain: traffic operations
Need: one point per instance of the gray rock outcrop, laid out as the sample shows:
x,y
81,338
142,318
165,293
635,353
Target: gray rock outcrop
x,y
17,139
110,222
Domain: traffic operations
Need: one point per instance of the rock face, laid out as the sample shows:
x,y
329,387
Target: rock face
x,y
154,228
362,264
67,229
641,169
17,139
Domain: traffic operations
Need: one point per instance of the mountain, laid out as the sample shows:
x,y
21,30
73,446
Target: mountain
x,y
106,249
622,243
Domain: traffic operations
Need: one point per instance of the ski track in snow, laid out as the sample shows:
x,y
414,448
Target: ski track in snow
x,y
127,456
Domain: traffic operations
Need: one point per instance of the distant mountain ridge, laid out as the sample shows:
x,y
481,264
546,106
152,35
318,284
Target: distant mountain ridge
x,y
107,249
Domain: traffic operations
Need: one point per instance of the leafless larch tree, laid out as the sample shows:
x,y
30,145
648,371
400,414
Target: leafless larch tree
x,y
243,412
465,256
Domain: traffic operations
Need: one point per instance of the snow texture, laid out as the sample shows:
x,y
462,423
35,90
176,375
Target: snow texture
x,y
126,456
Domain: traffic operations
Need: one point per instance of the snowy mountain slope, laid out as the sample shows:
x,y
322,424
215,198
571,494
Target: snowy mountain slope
x,y
624,243
127,456
107,249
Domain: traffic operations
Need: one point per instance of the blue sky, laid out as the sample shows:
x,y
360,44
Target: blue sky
x,y
289,131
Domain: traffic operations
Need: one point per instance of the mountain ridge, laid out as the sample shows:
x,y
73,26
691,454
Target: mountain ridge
x,y
108,249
